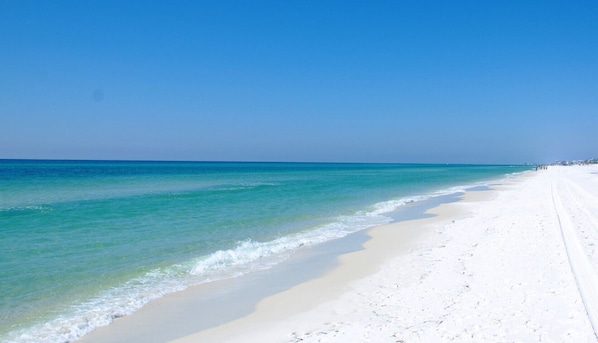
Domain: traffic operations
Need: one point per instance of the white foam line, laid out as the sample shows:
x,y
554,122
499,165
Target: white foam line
x,y
585,275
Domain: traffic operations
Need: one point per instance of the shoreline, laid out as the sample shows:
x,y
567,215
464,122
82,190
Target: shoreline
x,y
383,242
491,267
207,306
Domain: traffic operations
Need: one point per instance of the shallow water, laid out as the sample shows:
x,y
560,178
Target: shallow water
x,y
84,242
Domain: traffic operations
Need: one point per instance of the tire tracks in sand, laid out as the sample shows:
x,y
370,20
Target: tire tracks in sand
x,y
585,274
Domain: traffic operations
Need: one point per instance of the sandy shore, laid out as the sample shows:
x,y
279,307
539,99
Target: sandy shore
x,y
516,263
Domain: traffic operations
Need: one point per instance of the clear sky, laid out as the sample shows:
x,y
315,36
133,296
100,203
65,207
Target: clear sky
x,y
364,81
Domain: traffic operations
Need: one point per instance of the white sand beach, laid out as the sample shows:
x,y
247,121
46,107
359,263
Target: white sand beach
x,y
517,263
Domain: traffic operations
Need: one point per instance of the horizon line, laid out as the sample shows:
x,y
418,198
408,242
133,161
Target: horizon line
x,y
256,161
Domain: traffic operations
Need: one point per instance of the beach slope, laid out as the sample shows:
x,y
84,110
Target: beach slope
x,y
514,263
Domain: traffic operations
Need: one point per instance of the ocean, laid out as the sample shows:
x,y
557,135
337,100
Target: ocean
x,y
85,242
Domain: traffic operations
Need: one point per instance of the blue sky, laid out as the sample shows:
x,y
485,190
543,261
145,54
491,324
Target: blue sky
x,y
362,81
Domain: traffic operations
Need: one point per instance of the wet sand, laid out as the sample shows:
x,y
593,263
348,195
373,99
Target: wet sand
x,y
492,267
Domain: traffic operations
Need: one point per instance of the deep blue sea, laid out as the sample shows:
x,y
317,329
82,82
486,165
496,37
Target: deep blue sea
x,y
84,242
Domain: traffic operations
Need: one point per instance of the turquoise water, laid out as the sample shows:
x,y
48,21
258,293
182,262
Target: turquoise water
x,y
84,242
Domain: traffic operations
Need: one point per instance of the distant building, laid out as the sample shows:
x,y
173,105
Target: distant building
x,y
578,162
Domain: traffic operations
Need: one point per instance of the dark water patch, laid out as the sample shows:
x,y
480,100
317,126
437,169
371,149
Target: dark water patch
x,y
478,189
418,209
